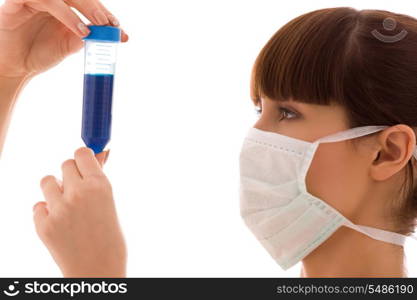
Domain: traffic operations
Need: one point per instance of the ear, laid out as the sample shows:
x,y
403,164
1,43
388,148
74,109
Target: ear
x,y
394,148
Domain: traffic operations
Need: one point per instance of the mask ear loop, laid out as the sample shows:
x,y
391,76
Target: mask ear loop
x,y
415,152
375,233
335,137
379,234
353,133
350,134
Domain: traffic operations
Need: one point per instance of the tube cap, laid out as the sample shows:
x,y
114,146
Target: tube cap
x,y
104,33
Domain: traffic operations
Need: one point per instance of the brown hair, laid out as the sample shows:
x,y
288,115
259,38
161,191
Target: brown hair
x,y
336,55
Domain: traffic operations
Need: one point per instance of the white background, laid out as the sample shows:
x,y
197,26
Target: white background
x,y
181,110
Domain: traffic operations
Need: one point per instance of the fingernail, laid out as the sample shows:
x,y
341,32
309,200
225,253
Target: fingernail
x,y
100,17
107,156
83,29
127,37
113,20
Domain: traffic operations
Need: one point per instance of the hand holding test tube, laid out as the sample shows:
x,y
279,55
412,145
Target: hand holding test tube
x,y
99,69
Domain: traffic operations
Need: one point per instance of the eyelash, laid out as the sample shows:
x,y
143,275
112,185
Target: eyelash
x,y
281,110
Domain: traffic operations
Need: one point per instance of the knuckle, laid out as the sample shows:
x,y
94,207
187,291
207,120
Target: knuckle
x,y
66,210
81,193
74,194
93,183
90,186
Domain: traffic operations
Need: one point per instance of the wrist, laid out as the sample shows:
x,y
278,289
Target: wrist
x,y
108,273
112,268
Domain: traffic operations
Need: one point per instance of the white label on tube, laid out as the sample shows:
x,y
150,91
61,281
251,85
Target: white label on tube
x,y
100,58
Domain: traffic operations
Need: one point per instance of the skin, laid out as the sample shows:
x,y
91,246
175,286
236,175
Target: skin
x,y
77,222
338,166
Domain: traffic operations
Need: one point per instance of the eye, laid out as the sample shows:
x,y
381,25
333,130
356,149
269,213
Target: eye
x,y
285,112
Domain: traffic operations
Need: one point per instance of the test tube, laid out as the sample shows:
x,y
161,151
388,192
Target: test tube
x,y
99,70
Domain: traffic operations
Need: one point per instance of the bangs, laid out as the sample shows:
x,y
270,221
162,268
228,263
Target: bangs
x,y
305,60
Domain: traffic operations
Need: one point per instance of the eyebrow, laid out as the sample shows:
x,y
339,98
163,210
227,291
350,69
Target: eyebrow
x,y
284,101
295,106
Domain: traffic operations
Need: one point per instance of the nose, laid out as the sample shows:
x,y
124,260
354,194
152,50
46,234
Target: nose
x,y
257,125
262,125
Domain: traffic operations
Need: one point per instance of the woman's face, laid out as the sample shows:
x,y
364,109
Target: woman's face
x,y
338,173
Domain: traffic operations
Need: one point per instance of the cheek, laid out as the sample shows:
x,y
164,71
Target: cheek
x,y
335,177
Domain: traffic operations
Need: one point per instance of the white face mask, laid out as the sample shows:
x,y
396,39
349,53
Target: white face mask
x,y
275,204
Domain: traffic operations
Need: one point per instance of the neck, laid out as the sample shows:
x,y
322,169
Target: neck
x,y
348,253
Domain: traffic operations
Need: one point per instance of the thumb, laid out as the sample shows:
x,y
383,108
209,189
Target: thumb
x,y
102,157
73,43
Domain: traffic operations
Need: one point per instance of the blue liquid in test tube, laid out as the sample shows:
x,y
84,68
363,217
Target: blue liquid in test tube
x,y
99,69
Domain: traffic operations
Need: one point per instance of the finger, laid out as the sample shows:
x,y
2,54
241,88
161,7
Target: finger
x,y
98,14
113,21
40,212
107,156
87,163
51,190
91,9
70,173
63,13
125,36
102,157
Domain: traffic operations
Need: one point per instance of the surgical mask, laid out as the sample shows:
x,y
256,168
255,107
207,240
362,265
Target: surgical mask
x,y
275,204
